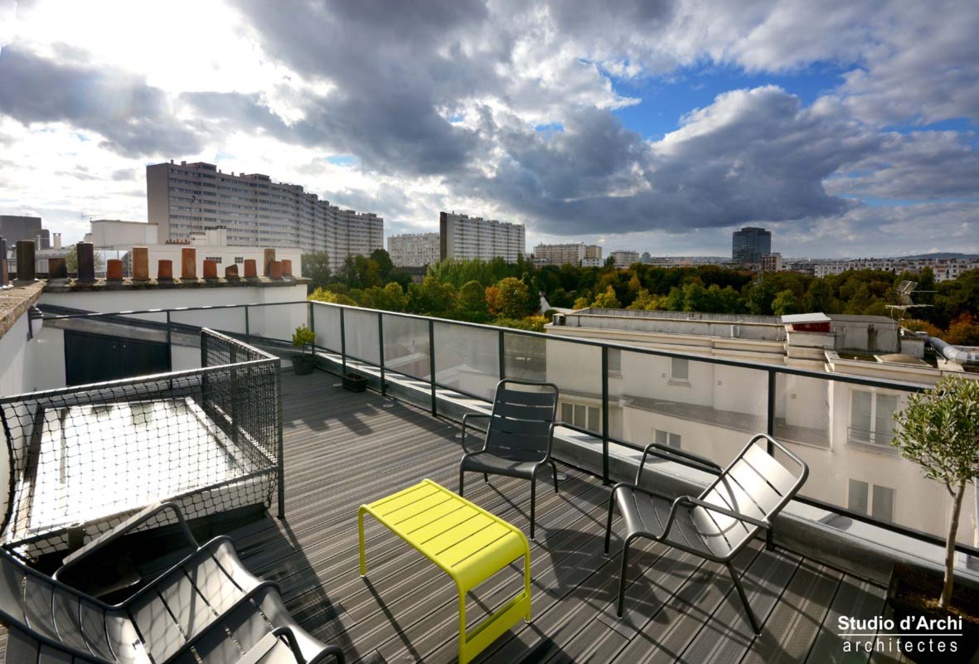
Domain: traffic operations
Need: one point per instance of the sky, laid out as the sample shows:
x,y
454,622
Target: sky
x,y
846,128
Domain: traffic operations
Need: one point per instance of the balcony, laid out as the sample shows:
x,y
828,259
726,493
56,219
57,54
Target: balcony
x,y
340,450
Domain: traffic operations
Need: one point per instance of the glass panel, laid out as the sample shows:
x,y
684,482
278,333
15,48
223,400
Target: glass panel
x,y
229,321
857,497
567,412
614,360
861,403
883,503
360,330
406,348
326,323
467,359
884,418
714,412
526,356
576,369
801,410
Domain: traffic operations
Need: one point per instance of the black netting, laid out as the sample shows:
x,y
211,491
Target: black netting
x,y
84,458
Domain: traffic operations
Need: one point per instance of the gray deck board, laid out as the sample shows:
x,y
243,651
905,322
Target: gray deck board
x,y
344,449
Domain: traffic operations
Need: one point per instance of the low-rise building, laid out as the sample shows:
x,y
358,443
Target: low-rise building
x,y
414,249
624,259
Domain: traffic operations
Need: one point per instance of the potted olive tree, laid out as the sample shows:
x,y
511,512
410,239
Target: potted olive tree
x,y
304,339
939,431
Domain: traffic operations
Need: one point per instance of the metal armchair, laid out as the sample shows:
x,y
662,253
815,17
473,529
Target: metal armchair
x,y
519,435
716,525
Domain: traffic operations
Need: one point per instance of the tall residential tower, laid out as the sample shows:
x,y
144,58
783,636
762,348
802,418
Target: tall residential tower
x,y
183,198
465,237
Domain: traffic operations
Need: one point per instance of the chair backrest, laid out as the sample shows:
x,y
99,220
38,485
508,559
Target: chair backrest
x,y
54,617
520,426
754,484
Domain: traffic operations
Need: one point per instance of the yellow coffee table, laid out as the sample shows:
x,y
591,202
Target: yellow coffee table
x,y
466,542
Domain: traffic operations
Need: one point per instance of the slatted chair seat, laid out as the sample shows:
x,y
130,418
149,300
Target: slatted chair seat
x,y
187,608
716,525
519,435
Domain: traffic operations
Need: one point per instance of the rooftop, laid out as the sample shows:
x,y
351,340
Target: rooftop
x,y
344,449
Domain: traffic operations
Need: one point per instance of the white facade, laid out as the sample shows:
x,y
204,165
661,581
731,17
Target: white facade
x,y
183,198
944,269
841,430
464,237
123,235
414,249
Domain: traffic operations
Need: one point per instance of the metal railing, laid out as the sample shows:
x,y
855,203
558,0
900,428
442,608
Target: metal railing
x,y
418,353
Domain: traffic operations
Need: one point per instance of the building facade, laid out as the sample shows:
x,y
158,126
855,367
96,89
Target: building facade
x,y
944,269
184,198
463,237
750,244
624,259
571,254
414,249
771,262
14,228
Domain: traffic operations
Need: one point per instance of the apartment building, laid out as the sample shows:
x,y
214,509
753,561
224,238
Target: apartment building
x,y
944,269
414,249
771,262
184,198
624,259
464,237
561,254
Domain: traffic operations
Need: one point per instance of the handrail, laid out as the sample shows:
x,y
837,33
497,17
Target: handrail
x,y
603,434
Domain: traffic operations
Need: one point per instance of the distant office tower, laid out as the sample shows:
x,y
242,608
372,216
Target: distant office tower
x,y
15,228
184,198
559,254
414,249
625,258
465,237
750,244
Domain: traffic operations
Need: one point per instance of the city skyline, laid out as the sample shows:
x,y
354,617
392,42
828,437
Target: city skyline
x,y
661,127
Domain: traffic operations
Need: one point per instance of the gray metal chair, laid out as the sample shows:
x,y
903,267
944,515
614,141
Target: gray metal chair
x,y
721,521
518,436
207,607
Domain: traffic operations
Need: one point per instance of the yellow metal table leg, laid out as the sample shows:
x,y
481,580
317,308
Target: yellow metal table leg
x,y
360,529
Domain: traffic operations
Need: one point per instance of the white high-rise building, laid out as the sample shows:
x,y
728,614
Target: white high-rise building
x,y
414,249
464,237
185,198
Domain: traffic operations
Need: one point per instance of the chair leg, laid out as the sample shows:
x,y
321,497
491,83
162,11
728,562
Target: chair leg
x,y
485,477
744,599
554,474
533,502
608,524
625,563
462,481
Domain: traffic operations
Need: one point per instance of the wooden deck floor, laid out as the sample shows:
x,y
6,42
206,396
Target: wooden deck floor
x,y
345,449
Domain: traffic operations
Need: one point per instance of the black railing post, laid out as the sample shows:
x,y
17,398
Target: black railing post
x,y
311,315
770,430
248,329
431,365
343,343
170,343
280,445
605,434
501,349
380,347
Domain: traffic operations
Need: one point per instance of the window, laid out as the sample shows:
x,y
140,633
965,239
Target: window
x,y
216,259
667,439
877,501
872,417
585,417
239,259
614,361
679,370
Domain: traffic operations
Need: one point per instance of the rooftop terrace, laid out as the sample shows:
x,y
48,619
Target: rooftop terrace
x,y
344,449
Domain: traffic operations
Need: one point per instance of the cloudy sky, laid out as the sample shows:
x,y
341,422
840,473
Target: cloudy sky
x,y
848,128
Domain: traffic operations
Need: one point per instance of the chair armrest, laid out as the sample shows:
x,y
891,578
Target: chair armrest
x,y
696,502
465,419
634,487
125,527
677,456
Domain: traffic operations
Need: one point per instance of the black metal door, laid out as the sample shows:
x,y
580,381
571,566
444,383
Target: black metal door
x,y
94,358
